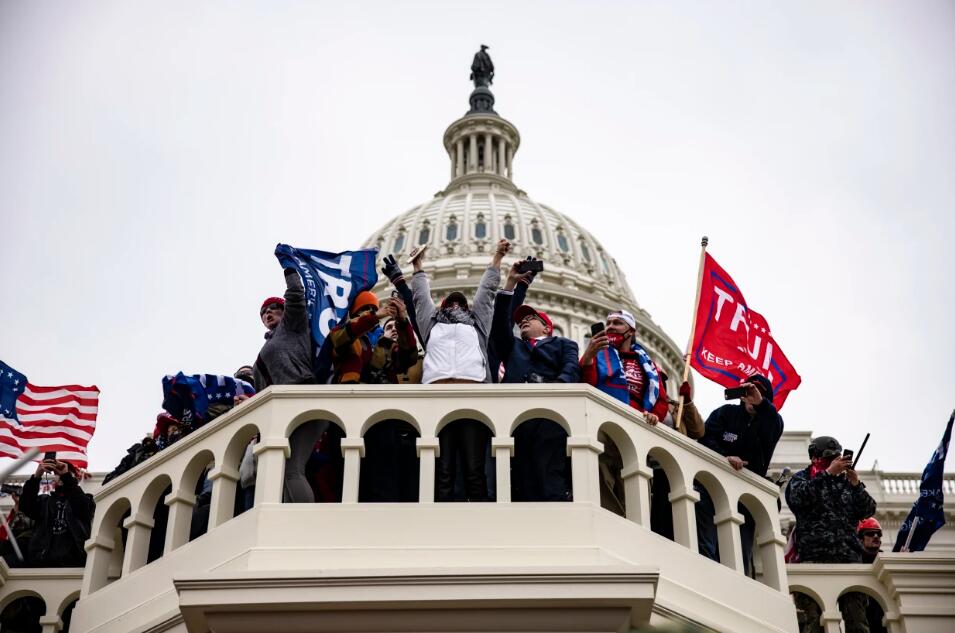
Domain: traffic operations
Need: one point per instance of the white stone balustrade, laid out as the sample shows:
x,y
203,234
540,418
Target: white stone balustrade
x,y
916,591
57,587
275,538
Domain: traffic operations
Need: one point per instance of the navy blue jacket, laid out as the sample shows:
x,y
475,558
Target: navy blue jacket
x,y
552,359
730,431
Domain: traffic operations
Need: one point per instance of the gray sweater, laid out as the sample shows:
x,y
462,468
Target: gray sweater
x,y
286,357
482,308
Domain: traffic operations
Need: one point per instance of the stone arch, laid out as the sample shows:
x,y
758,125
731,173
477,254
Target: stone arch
x,y
809,605
466,414
725,518
871,592
618,457
389,470
152,506
195,480
242,498
389,414
70,598
314,414
672,497
541,413
13,596
767,542
104,560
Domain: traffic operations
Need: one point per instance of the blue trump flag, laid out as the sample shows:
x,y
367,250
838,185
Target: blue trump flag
x,y
187,398
332,280
927,514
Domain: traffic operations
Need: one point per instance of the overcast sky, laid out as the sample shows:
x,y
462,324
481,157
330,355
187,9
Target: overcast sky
x,y
153,154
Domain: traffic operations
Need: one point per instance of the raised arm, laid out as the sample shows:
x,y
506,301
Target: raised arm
x,y
483,308
295,317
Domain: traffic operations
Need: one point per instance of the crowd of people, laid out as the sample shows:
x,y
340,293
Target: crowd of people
x,y
493,337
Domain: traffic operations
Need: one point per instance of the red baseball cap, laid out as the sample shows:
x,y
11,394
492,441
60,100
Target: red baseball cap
x,y
525,310
270,301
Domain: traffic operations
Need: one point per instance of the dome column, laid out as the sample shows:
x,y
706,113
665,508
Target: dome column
x,y
459,164
501,157
472,153
510,160
488,154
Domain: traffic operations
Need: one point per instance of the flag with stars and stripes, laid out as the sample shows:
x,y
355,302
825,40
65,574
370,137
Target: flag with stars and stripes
x,y
187,398
60,419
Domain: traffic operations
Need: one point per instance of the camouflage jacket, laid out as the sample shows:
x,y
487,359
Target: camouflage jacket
x,y
827,510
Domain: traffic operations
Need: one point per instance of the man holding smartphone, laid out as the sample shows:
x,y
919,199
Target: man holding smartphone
x,y
62,518
619,366
746,434
829,501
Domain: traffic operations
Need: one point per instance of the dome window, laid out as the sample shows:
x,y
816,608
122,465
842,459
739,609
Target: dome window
x,y
562,242
424,236
451,232
536,235
509,232
399,242
585,252
603,263
480,227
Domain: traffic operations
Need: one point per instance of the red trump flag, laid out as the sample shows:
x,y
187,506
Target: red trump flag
x,y
731,341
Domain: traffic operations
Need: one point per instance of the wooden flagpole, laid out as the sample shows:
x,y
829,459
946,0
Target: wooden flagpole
x,y
696,306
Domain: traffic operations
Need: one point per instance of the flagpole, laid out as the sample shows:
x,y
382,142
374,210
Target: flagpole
x,y
908,538
689,345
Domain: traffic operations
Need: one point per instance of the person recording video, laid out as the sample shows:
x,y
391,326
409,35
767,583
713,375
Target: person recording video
x,y
62,518
746,435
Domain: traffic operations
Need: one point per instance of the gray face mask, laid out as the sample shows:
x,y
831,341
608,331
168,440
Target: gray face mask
x,y
455,314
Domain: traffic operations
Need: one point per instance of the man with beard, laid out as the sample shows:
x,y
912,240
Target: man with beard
x,y
829,501
455,336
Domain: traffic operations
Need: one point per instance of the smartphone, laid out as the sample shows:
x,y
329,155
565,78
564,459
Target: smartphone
x,y
847,453
395,294
415,252
734,393
530,266
597,328
49,456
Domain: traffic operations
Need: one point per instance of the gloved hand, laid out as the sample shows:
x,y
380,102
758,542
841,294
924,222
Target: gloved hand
x,y
391,269
685,392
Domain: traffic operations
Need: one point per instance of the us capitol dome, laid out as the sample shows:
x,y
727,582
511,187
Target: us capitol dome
x,y
461,225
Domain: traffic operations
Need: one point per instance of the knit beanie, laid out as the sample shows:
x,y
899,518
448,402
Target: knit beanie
x,y
364,298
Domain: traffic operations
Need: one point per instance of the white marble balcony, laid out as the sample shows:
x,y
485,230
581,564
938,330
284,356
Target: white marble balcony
x,y
57,588
410,566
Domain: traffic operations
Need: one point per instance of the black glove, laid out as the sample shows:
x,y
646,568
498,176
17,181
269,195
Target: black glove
x,y
391,269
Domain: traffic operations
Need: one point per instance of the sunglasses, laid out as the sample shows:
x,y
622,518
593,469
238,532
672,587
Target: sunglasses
x,y
872,533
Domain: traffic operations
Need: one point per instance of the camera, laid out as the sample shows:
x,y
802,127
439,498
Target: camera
x,y
734,393
530,266
597,328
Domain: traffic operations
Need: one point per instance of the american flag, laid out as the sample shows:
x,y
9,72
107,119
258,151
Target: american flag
x,y
60,419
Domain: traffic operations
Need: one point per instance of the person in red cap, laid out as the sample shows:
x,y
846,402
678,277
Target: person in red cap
x,y
286,359
870,533
537,356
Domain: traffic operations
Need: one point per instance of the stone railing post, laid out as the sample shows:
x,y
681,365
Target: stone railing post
x,y
772,548
684,517
727,534
353,449
271,454
428,451
50,623
99,553
222,505
137,542
180,504
636,493
584,453
922,585
832,620
503,451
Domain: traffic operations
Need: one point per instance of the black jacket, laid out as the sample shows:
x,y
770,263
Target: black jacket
x,y
828,510
63,520
730,431
551,359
